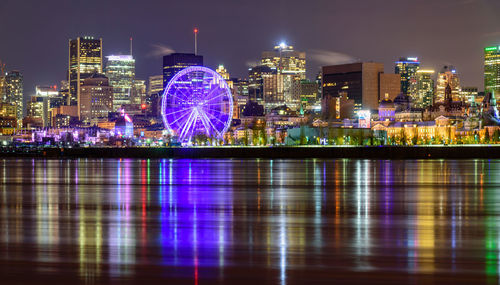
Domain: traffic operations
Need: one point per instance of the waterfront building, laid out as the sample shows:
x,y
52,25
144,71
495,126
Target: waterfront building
x,y
120,69
492,71
14,92
85,59
176,62
423,90
447,76
96,99
441,129
407,69
362,82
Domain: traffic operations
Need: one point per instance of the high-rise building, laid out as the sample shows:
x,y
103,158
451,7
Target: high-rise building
x,y
361,82
256,77
407,68
85,59
176,62
14,92
423,89
138,92
447,76
120,69
40,104
286,60
2,81
291,68
308,93
492,71
470,94
96,99
155,84
222,71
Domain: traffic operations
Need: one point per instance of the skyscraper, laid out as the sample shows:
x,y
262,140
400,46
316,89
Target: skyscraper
x,y
85,59
407,68
362,82
2,81
256,82
96,98
424,88
14,92
155,84
120,69
138,91
448,75
176,62
291,68
492,71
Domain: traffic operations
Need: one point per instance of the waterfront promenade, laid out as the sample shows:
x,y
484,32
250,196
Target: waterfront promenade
x,y
369,152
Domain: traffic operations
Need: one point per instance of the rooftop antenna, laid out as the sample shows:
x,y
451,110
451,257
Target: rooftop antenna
x,y
130,45
195,41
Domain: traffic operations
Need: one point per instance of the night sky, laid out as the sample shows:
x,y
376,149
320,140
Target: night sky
x,y
34,34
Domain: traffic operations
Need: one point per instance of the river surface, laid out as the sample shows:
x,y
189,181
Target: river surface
x,y
315,221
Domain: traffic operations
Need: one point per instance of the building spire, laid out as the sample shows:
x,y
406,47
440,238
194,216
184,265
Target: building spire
x,y
195,41
130,45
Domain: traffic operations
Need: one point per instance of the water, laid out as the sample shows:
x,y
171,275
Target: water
x,y
249,221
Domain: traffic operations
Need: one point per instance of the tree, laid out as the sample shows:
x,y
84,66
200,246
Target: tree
x,y
303,139
486,136
496,136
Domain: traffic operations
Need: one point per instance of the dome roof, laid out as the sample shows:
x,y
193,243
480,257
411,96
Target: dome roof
x,y
386,103
402,99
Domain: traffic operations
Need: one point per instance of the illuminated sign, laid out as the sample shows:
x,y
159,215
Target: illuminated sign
x,y
364,117
490,48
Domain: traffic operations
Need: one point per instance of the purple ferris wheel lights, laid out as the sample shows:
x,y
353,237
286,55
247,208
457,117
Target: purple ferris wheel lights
x,y
197,100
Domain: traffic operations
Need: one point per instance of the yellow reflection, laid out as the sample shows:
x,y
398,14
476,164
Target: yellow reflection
x,y
425,222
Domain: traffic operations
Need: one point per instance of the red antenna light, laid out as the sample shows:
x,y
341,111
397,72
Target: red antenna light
x,y
195,30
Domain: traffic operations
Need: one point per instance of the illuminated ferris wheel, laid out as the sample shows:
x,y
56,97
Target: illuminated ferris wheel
x,y
197,101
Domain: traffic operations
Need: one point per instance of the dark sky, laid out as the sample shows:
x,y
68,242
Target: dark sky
x,y
34,34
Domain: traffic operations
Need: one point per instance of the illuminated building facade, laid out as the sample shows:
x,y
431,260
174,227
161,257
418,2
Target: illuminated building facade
x,y
256,77
492,71
2,81
138,92
469,94
423,89
307,92
96,99
120,69
407,69
14,92
360,82
40,105
85,58
448,76
155,84
222,71
291,65
176,62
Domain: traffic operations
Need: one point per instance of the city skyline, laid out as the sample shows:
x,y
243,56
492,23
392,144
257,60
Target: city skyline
x,y
237,42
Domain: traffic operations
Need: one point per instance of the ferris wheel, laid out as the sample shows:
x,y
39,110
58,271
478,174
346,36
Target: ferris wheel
x,y
197,101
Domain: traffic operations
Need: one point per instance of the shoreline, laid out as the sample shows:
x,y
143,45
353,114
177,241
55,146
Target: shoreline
x,y
280,152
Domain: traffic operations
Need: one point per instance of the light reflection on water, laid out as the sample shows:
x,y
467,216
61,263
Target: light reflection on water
x,y
271,221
